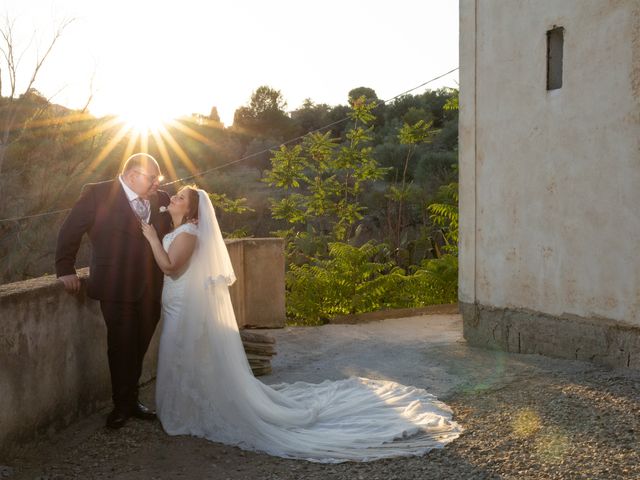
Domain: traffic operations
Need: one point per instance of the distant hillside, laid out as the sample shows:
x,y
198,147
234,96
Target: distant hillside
x,y
54,151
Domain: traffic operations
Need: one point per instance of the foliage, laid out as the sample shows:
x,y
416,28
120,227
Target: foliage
x,y
399,192
363,279
265,115
321,184
322,180
221,201
349,281
52,151
311,116
452,102
437,280
445,216
225,205
369,94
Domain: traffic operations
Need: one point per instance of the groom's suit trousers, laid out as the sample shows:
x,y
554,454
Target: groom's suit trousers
x,y
130,327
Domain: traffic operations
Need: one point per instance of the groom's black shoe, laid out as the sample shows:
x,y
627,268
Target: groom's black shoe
x,y
142,412
117,418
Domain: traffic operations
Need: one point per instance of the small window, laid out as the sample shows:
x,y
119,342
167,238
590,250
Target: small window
x,y
555,44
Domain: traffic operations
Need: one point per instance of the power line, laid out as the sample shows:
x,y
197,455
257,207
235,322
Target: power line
x,y
422,84
15,219
337,122
242,159
206,172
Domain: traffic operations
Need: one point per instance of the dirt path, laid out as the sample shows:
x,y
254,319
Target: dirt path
x,y
525,416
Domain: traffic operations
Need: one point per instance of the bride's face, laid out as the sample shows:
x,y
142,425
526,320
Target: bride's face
x,y
179,203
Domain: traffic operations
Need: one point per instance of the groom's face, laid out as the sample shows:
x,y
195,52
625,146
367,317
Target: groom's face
x,y
146,180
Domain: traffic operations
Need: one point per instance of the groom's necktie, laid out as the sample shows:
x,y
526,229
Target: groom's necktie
x,y
141,208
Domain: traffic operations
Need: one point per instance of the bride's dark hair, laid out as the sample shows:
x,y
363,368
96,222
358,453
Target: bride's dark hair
x,y
194,199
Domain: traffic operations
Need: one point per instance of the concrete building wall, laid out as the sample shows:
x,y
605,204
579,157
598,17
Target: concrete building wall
x,y
53,349
550,180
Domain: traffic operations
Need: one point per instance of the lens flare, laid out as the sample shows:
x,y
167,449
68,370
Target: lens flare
x,y
526,423
143,121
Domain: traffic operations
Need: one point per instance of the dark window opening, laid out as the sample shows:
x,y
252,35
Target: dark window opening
x,y
555,44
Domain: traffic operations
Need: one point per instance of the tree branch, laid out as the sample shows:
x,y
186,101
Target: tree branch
x,y
40,61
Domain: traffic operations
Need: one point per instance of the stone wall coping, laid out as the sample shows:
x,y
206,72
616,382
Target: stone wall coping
x,y
40,284
47,282
440,309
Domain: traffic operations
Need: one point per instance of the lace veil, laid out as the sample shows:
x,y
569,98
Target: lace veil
x,y
211,257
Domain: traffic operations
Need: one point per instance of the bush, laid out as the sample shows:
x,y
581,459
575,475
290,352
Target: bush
x,y
363,279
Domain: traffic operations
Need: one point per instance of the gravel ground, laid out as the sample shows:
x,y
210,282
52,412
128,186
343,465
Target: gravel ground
x,y
525,416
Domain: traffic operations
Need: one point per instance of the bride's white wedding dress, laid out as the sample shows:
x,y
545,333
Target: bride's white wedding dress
x,y
205,386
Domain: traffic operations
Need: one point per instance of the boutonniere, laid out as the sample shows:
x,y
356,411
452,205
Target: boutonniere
x,y
162,209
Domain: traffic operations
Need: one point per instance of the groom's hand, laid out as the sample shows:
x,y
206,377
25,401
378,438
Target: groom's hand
x,y
71,283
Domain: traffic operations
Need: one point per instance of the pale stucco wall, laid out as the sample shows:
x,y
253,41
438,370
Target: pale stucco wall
x,y
550,180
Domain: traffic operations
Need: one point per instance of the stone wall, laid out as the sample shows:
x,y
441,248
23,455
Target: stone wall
x,y
598,340
53,363
258,295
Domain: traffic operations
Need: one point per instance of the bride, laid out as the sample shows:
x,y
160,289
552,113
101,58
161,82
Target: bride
x,y
205,386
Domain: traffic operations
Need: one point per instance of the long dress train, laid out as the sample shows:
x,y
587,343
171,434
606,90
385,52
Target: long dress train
x,y
205,386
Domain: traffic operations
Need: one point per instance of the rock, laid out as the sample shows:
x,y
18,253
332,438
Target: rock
x,y
259,348
5,472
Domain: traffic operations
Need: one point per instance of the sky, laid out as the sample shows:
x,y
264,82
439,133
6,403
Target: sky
x,y
161,59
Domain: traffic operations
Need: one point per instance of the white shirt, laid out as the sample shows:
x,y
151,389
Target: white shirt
x,y
132,196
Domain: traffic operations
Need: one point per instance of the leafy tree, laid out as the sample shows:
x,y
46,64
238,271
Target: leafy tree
x,y
452,102
370,97
311,116
53,151
445,215
399,192
415,115
322,181
214,116
369,94
223,204
322,184
336,118
265,115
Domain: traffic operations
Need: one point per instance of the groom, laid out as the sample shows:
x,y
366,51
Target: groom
x,y
123,275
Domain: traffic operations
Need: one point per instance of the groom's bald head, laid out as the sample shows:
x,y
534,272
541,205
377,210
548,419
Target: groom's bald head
x,y
141,161
141,173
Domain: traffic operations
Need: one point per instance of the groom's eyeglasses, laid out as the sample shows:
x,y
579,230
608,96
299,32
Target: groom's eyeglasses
x,y
151,178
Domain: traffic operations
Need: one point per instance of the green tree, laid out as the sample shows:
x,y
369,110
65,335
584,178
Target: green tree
x,y
322,180
400,190
214,116
311,116
369,94
445,216
265,115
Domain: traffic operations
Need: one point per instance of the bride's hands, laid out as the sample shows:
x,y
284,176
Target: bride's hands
x,y
149,231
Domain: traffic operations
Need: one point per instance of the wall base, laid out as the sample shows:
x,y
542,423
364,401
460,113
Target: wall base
x,y
602,341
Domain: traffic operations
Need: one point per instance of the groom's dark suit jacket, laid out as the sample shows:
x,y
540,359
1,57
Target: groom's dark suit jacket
x,y
122,264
